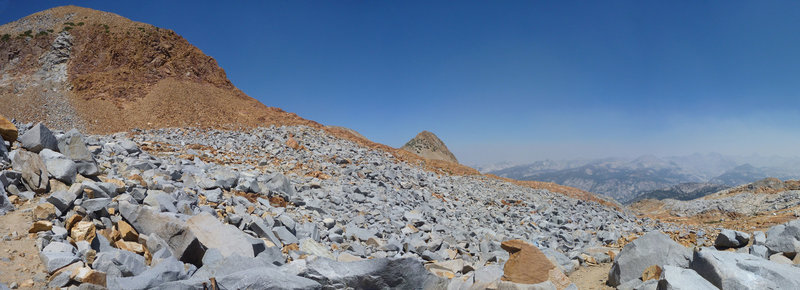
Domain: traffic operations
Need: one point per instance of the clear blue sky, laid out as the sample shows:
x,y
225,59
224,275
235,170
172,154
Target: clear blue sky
x,y
507,80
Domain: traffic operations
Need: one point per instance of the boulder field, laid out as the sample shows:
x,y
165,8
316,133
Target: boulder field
x,y
296,208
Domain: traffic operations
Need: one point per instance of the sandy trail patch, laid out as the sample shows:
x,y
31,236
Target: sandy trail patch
x,y
592,277
19,257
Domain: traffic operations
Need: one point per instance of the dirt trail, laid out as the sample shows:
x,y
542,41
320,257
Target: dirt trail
x,y
19,257
592,277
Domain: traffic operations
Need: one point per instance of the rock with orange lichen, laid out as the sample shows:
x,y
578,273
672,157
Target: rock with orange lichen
x,y
528,265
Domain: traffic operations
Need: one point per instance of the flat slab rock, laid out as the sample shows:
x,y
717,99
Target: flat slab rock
x,y
528,265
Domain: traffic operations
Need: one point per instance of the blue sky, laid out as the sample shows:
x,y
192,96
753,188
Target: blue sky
x,y
510,80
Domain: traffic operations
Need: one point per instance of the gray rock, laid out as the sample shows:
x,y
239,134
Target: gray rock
x,y
59,280
120,262
62,200
211,233
759,238
5,204
56,260
731,239
284,235
226,179
280,184
73,147
129,146
95,204
564,263
272,255
59,166
329,223
4,153
34,172
38,138
675,278
360,234
25,195
59,247
485,275
728,270
264,231
181,241
654,248
784,238
265,278
212,195
166,271
218,265
405,273
759,251
311,247
161,200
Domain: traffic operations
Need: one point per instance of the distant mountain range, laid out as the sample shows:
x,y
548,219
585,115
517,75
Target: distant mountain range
x,y
679,177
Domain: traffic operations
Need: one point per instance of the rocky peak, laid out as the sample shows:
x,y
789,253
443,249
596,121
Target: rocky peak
x,y
427,145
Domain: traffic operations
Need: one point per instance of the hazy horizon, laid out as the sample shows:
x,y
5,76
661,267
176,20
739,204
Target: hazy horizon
x,y
513,80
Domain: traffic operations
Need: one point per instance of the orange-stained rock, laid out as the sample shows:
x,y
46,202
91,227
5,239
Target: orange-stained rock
x,y
130,246
652,272
292,143
127,232
528,265
72,220
7,130
44,211
87,275
40,226
83,231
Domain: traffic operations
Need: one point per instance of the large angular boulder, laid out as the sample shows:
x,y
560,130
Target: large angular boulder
x,y
63,199
189,238
675,278
229,240
38,138
784,238
265,278
280,184
729,270
181,242
731,239
382,273
528,265
34,172
8,131
73,147
121,263
654,248
59,166
166,271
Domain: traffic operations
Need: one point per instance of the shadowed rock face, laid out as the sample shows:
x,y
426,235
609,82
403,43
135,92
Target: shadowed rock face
x,y
427,145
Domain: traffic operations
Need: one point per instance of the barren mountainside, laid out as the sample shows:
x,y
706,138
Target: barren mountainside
x,y
78,67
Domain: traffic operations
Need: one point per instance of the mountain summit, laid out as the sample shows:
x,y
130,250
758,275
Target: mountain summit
x,y
74,67
427,145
